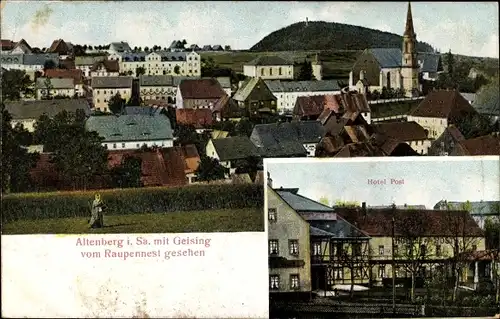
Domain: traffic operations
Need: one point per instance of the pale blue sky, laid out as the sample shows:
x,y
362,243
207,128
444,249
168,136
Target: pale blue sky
x,y
469,28
425,182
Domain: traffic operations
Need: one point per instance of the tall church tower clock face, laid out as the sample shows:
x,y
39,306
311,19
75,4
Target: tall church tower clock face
x,y
409,63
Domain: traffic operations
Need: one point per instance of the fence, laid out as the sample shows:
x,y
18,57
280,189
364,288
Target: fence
x,y
397,99
401,118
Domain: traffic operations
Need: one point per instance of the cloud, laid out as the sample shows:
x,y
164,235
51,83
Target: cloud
x,y
41,17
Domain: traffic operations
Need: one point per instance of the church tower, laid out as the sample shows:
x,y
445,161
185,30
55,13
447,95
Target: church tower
x,y
409,65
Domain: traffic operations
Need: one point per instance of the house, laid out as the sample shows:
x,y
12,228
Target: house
x,y
289,247
177,46
159,63
75,74
105,68
159,87
480,211
408,132
199,118
62,48
119,47
439,109
255,98
192,160
227,109
217,47
194,47
198,93
424,236
444,144
289,139
269,68
394,68
30,63
225,82
483,145
287,92
207,48
228,151
21,47
105,87
129,132
28,112
47,88
85,63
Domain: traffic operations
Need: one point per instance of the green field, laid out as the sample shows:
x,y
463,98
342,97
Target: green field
x,y
337,64
221,220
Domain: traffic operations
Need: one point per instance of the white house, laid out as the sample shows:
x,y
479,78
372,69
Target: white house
x,y
105,68
160,87
160,63
286,92
51,87
132,131
105,87
119,47
269,68
27,62
85,63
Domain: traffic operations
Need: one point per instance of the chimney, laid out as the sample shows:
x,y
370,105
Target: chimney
x,y
269,180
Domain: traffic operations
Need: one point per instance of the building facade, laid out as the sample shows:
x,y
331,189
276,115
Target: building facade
x,y
104,88
269,68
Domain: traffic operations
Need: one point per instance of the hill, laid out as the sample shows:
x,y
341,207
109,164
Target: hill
x,y
320,35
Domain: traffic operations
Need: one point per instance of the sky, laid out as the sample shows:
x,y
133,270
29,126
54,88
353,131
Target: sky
x,y
469,28
426,182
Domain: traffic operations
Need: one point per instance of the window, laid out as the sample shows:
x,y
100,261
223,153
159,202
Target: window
x,y
474,247
340,249
272,215
137,145
381,271
104,91
423,250
114,145
270,71
356,249
123,145
273,247
395,249
438,250
381,250
106,146
280,71
294,281
316,251
274,282
339,273
262,71
293,245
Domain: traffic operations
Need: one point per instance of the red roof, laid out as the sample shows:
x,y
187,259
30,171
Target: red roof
x,y
483,145
7,45
444,104
378,222
65,73
314,105
403,131
108,65
59,46
199,118
201,89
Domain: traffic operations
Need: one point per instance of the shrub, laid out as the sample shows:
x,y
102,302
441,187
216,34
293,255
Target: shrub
x,y
34,206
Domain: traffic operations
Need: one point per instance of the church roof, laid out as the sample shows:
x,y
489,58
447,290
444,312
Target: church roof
x,y
387,57
409,23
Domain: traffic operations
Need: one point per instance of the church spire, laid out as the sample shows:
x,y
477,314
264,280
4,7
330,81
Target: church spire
x,y
409,22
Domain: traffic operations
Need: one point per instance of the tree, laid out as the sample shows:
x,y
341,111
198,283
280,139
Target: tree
x,y
16,84
116,104
340,203
128,173
474,125
49,64
460,240
135,100
210,169
208,66
227,48
306,72
16,161
324,200
249,165
47,89
450,63
140,71
410,234
244,127
146,49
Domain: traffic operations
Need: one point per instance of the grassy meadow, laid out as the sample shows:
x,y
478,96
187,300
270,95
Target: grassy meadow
x,y
204,221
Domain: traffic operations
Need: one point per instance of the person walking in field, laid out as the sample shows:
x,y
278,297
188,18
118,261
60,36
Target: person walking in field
x,y
97,217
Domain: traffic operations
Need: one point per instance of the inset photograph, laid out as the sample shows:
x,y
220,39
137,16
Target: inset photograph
x,y
383,237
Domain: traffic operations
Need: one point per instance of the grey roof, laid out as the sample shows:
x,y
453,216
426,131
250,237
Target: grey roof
x,y
302,131
483,208
34,109
302,86
224,81
393,57
88,60
165,56
339,228
300,203
7,58
156,80
136,127
56,83
111,82
120,47
269,60
398,206
471,97
233,148
144,110
387,57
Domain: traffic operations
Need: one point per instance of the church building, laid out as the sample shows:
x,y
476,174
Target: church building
x,y
395,68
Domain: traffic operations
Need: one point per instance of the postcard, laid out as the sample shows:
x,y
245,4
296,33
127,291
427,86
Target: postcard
x,y
383,237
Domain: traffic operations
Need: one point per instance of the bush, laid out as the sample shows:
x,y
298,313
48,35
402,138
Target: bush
x,y
32,206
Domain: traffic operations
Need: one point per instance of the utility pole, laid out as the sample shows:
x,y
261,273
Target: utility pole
x,y
393,271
